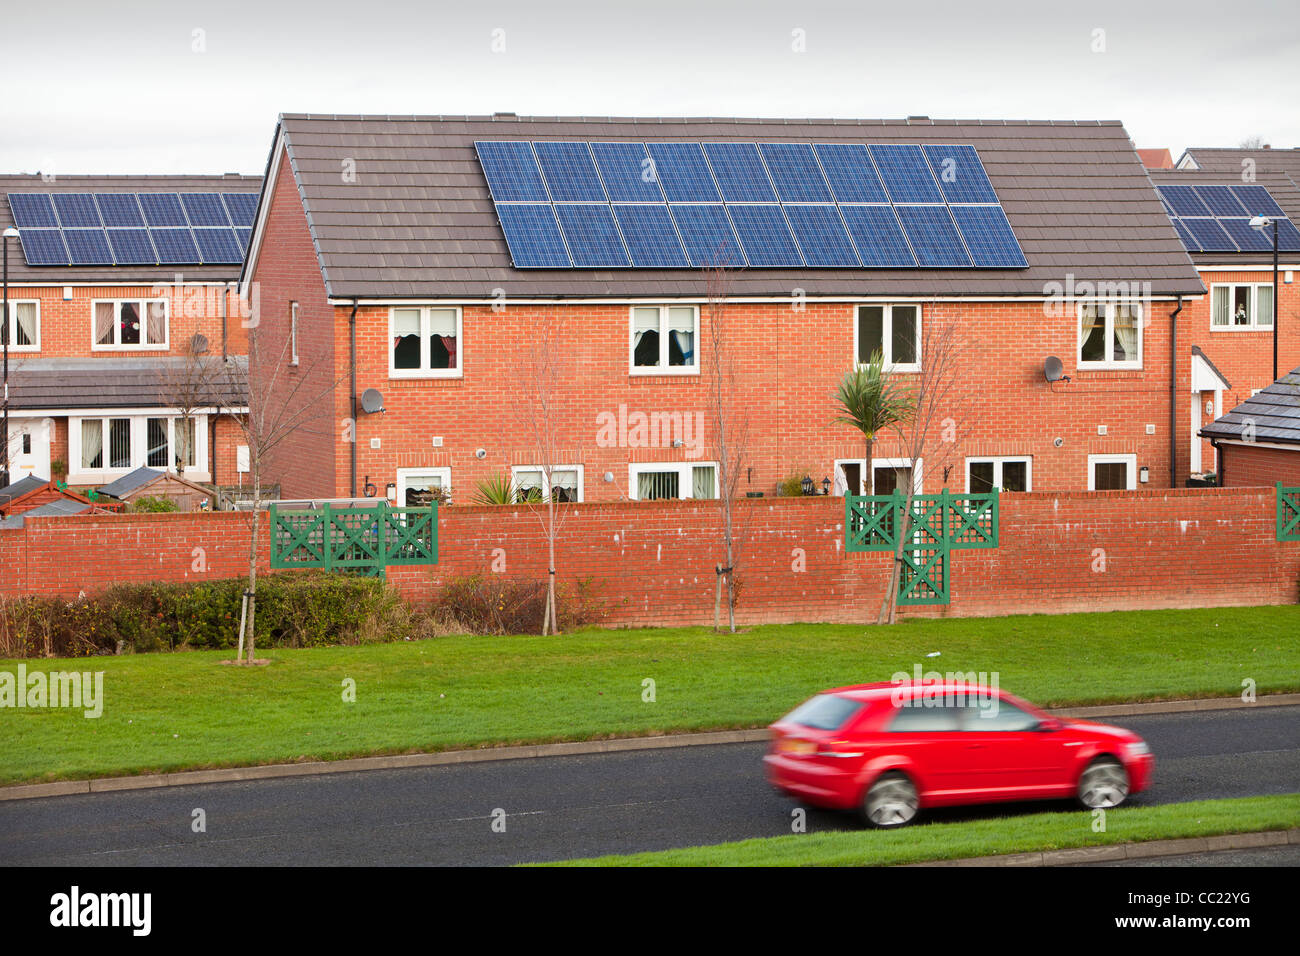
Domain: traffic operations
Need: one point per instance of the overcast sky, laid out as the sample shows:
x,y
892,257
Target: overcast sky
x,y
178,87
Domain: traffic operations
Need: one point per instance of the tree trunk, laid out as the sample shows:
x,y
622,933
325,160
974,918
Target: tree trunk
x,y
869,478
252,562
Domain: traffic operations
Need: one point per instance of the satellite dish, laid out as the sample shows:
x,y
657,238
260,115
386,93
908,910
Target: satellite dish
x,y
372,401
1053,370
198,343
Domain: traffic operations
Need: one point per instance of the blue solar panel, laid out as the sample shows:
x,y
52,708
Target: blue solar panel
x,y
961,174
119,209
1288,236
794,170
77,210
175,246
242,207
628,172
131,247
707,234
162,209
933,236
821,235
1209,235
877,236
739,172
1188,240
765,236
32,210
88,247
43,247
570,172
1221,201
1248,238
205,209
988,236
1257,200
683,173
218,245
592,234
534,237
905,173
244,235
651,239
1184,201
511,172
850,172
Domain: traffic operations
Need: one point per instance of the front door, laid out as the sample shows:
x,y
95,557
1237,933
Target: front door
x,y
29,448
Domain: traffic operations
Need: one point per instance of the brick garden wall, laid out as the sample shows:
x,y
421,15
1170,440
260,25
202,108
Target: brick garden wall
x,y
653,561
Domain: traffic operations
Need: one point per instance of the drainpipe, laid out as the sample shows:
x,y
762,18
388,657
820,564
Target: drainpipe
x,y
225,311
352,373
1173,394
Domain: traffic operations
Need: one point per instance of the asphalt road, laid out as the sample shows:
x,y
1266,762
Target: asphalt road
x,y
555,807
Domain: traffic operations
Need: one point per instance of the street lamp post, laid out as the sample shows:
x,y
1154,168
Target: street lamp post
x,y
10,233
1262,223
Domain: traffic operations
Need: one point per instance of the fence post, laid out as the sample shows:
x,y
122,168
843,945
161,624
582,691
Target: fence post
x,y
328,538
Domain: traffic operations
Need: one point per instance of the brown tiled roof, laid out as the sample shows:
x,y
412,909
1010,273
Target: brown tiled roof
x,y
1285,161
21,272
1273,414
418,221
53,383
1279,186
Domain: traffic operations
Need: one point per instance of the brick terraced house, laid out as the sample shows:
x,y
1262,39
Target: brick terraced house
x,y
114,281
421,257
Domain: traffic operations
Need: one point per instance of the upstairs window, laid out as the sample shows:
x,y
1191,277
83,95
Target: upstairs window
x,y
1110,335
424,343
892,330
1241,306
129,324
24,326
664,340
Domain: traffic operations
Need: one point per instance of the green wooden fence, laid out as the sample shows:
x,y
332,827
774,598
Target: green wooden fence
x,y
939,525
1288,513
361,540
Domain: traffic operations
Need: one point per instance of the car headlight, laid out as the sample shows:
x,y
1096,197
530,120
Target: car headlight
x,y
1137,748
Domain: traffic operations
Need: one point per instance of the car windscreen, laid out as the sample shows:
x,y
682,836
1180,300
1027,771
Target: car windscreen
x,y
825,712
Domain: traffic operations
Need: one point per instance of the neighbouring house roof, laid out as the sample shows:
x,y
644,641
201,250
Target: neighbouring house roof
x,y
1273,414
1156,158
1213,159
418,221
20,272
55,383
1205,374
142,478
1279,186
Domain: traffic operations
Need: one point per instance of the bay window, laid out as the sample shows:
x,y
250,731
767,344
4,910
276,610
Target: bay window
x,y
100,445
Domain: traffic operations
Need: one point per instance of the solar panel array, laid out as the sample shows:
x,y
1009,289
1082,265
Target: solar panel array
x,y
673,205
119,229
1217,218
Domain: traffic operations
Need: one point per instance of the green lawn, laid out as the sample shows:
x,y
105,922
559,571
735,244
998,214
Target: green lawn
x,y
992,837
186,710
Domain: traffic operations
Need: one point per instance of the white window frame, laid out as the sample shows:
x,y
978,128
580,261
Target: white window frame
x,y
685,479
546,479
293,335
663,368
404,475
139,444
918,469
144,304
1129,460
1253,325
998,461
1108,321
887,334
13,325
424,371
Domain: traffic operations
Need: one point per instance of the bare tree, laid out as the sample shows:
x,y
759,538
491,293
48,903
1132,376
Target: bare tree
x,y
189,386
930,434
1253,142
730,432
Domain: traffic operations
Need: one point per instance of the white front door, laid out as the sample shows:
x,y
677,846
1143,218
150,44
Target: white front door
x,y
1196,432
29,447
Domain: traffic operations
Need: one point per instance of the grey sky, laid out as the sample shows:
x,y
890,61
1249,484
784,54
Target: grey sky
x,y
105,87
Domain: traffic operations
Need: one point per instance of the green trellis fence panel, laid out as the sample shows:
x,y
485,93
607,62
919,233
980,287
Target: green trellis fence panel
x,y
1288,513
359,540
938,525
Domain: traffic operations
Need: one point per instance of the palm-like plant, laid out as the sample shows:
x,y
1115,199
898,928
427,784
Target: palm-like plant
x,y
870,400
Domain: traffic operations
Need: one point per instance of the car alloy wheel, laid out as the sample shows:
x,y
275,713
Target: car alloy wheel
x,y
1103,784
891,801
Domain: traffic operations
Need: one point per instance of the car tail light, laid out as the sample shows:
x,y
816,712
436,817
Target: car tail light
x,y
832,749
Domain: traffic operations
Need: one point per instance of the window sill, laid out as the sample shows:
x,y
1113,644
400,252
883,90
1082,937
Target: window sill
x,y
400,376
1241,328
1106,367
130,348
657,372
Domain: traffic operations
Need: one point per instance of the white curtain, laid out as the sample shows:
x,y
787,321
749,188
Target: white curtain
x,y
26,318
92,443
442,326
104,323
157,322
1264,305
1126,332
703,481
681,326
1219,314
564,485
656,484
643,321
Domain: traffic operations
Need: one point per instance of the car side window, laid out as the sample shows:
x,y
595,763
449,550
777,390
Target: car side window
x,y
920,716
995,714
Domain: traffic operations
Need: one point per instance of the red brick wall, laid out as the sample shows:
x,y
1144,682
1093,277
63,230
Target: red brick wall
x,y
653,561
1245,466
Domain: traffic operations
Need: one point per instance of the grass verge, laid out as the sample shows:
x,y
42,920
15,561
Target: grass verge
x,y
169,712
993,837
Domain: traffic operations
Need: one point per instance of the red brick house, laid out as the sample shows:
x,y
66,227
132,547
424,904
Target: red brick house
x,y
111,281
380,253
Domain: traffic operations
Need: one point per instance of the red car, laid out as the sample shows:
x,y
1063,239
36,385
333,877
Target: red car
x,y
890,750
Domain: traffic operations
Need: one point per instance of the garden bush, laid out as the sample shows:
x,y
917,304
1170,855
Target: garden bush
x,y
495,604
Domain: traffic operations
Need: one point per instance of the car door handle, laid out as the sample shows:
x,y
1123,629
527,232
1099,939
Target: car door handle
x,y
974,746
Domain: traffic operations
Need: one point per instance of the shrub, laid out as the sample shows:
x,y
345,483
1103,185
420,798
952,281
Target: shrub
x,y
495,604
153,504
